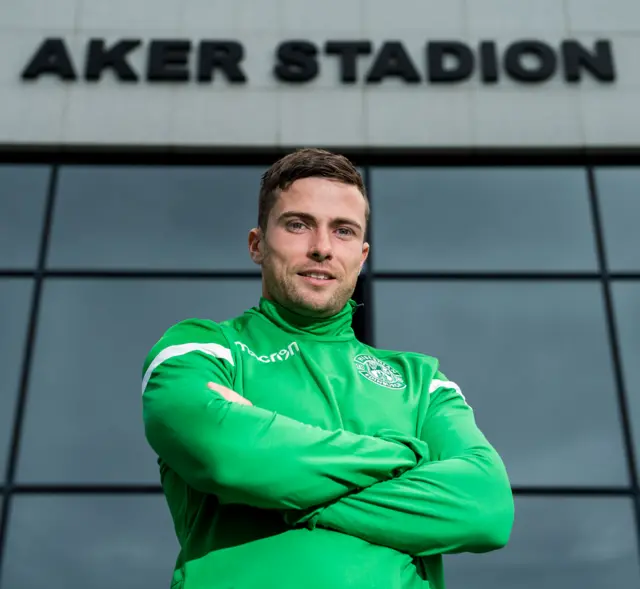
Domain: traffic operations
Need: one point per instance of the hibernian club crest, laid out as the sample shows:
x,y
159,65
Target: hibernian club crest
x,y
379,372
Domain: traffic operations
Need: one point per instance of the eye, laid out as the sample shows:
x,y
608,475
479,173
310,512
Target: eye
x,y
345,232
296,225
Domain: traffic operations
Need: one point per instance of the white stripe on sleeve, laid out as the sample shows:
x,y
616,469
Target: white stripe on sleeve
x,y
215,350
446,384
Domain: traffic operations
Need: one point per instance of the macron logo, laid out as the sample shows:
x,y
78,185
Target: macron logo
x,y
280,356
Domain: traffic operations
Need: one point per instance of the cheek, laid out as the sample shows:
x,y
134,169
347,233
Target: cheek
x,y
288,253
353,259
275,262
282,245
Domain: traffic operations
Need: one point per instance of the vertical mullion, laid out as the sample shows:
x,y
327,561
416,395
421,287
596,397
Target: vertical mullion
x,y
26,362
369,332
614,345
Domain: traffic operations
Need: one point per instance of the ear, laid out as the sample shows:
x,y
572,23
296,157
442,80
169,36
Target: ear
x,y
365,255
256,245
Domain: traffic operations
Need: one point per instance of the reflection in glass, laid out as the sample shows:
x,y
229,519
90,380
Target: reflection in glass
x,y
534,363
155,218
481,219
618,190
92,341
75,542
557,543
15,299
626,298
23,191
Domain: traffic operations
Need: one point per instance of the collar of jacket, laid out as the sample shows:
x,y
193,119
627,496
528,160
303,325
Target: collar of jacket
x,y
336,327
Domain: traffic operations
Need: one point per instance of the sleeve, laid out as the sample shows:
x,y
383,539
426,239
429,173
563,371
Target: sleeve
x,y
245,454
458,501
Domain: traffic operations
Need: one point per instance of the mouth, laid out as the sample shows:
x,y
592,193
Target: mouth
x,y
317,277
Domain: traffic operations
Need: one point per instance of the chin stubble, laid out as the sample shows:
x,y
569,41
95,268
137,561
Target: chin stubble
x,y
289,291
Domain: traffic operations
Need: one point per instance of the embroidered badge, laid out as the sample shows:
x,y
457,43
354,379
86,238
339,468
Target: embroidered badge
x,y
379,372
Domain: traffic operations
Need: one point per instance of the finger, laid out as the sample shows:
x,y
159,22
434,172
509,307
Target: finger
x,y
228,394
220,390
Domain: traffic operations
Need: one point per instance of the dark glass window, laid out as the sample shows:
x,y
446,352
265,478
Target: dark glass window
x,y
619,192
83,422
557,543
481,219
97,541
533,361
23,191
154,218
15,300
626,298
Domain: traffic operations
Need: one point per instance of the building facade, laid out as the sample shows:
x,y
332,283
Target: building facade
x,y
500,146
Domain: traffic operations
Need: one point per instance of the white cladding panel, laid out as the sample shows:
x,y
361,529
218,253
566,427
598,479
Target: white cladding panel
x,y
267,112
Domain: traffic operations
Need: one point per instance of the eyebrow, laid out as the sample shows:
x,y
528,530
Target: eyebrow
x,y
312,219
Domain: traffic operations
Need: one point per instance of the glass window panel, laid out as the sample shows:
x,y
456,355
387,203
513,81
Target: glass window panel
x,y
481,219
92,340
619,194
534,362
170,218
89,541
626,297
15,300
557,543
23,191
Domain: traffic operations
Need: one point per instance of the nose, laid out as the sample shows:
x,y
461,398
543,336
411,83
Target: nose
x,y
321,249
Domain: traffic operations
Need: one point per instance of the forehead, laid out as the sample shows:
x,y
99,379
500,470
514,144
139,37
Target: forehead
x,y
322,197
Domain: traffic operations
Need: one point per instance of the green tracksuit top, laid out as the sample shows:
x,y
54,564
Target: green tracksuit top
x,y
355,467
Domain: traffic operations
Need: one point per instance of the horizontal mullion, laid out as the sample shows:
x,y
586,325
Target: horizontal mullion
x,y
525,490
515,275
157,274
18,273
229,155
252,274
142,489
624,275
77,489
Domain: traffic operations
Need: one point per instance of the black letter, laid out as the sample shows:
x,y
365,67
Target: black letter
x,y
489,61
225,55
436,52
542,51
168,61
98,59
348,52
52,57
600,63
393,60
298,61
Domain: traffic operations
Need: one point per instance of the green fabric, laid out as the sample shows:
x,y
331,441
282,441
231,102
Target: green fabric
x,y
355,468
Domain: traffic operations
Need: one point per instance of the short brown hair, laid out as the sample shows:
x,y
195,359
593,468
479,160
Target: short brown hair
x,y
305,163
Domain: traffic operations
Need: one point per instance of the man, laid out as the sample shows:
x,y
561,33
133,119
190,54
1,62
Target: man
x,y
291,454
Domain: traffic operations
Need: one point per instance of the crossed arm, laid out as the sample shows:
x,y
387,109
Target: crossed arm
x,y
245,454
458,501
382,489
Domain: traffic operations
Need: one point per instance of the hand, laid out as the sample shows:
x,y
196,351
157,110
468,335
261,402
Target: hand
x,y
228,394
420,448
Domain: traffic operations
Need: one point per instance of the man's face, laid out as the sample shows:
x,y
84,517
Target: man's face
x,y
314,246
